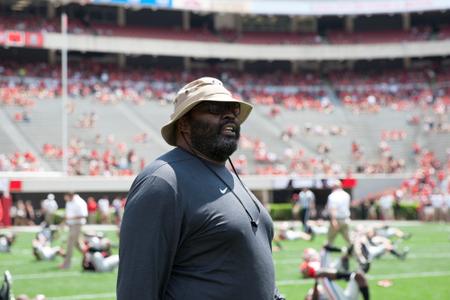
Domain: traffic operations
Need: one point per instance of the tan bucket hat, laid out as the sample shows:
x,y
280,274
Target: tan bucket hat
x,y
199,90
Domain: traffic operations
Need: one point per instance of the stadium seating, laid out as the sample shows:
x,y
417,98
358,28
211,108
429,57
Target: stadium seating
x,y
110,114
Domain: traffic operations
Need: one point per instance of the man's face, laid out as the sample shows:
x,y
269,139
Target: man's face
x,y
215,129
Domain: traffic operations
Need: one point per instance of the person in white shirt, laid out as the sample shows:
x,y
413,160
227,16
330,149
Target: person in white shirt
x,y
103,208
49,208
386,203
76,214
447,207
338,207
438,202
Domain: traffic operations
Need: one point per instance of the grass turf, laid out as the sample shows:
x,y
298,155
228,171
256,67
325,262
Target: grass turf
x,y
425,274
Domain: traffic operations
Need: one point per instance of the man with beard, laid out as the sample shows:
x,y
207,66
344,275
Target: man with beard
x,y
191,229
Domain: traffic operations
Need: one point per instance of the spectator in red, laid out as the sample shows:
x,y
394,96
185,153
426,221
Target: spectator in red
x,y
349,181
92,210
1,210
5,206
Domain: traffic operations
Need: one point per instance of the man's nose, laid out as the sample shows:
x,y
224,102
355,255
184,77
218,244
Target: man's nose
x,y
230,115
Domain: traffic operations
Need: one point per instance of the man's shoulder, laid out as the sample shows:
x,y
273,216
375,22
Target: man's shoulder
x,y
167,166
80,201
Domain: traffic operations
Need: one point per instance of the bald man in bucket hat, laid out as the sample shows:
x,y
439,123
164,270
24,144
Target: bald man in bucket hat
x,y
191,229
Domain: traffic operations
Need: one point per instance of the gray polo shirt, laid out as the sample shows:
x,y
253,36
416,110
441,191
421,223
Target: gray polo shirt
x,y
184,235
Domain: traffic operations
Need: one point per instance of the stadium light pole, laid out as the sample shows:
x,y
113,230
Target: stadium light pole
x,y
64,101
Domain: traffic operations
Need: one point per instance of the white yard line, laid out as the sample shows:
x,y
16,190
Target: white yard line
x,y
84,296
386,257
409,275
374,277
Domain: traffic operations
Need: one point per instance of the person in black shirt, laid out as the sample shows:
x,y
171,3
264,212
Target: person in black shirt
x,y
191,229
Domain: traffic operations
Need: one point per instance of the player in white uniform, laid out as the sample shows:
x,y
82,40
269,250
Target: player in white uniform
x,y
325,272
5,289
42,248
390,232
97,255
103,264
6,241
369,246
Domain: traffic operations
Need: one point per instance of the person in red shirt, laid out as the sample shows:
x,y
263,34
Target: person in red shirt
x,y
1,214
92,210
5,206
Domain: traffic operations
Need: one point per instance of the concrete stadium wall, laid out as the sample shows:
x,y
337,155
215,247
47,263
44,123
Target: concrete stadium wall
x,y
141,46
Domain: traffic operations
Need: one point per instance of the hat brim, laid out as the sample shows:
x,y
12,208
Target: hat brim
x,y
168,130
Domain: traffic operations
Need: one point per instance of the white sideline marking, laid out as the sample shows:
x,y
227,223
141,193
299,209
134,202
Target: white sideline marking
x,y
409,256
409,275
85,296
374,277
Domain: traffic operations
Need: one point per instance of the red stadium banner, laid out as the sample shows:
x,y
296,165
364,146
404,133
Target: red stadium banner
x,y
15,186
22,39
34,39
15,38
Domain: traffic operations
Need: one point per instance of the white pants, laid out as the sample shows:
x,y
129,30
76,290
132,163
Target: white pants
x,y
104,264
375,251
386,232
47,252
334,292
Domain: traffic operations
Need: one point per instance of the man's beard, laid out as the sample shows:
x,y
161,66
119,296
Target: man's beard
x,y
209,140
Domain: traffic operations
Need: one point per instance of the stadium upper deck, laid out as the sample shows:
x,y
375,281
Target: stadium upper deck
x,y
188,33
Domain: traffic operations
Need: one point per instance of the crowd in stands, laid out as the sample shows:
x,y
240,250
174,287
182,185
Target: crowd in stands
x,y
21,84
24,84
18,161
105,157
380,36
428,191
399,89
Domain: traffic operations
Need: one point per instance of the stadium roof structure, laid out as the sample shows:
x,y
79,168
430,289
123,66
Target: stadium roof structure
x,y
283,7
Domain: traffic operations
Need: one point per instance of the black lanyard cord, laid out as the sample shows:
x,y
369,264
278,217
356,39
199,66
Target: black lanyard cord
x,y
253,222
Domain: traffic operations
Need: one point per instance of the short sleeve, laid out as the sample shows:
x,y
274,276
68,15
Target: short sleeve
x,y
148,239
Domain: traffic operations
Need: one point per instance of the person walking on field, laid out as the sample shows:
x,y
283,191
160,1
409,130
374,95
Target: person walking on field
x,y
307,203
338,208
75,218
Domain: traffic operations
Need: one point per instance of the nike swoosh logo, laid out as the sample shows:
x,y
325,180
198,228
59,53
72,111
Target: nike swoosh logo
x,y
223,191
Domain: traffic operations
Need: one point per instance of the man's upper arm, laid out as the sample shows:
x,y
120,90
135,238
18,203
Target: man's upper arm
x,y
148,240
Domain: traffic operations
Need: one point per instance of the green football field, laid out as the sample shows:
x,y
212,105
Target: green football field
x,y
425,274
